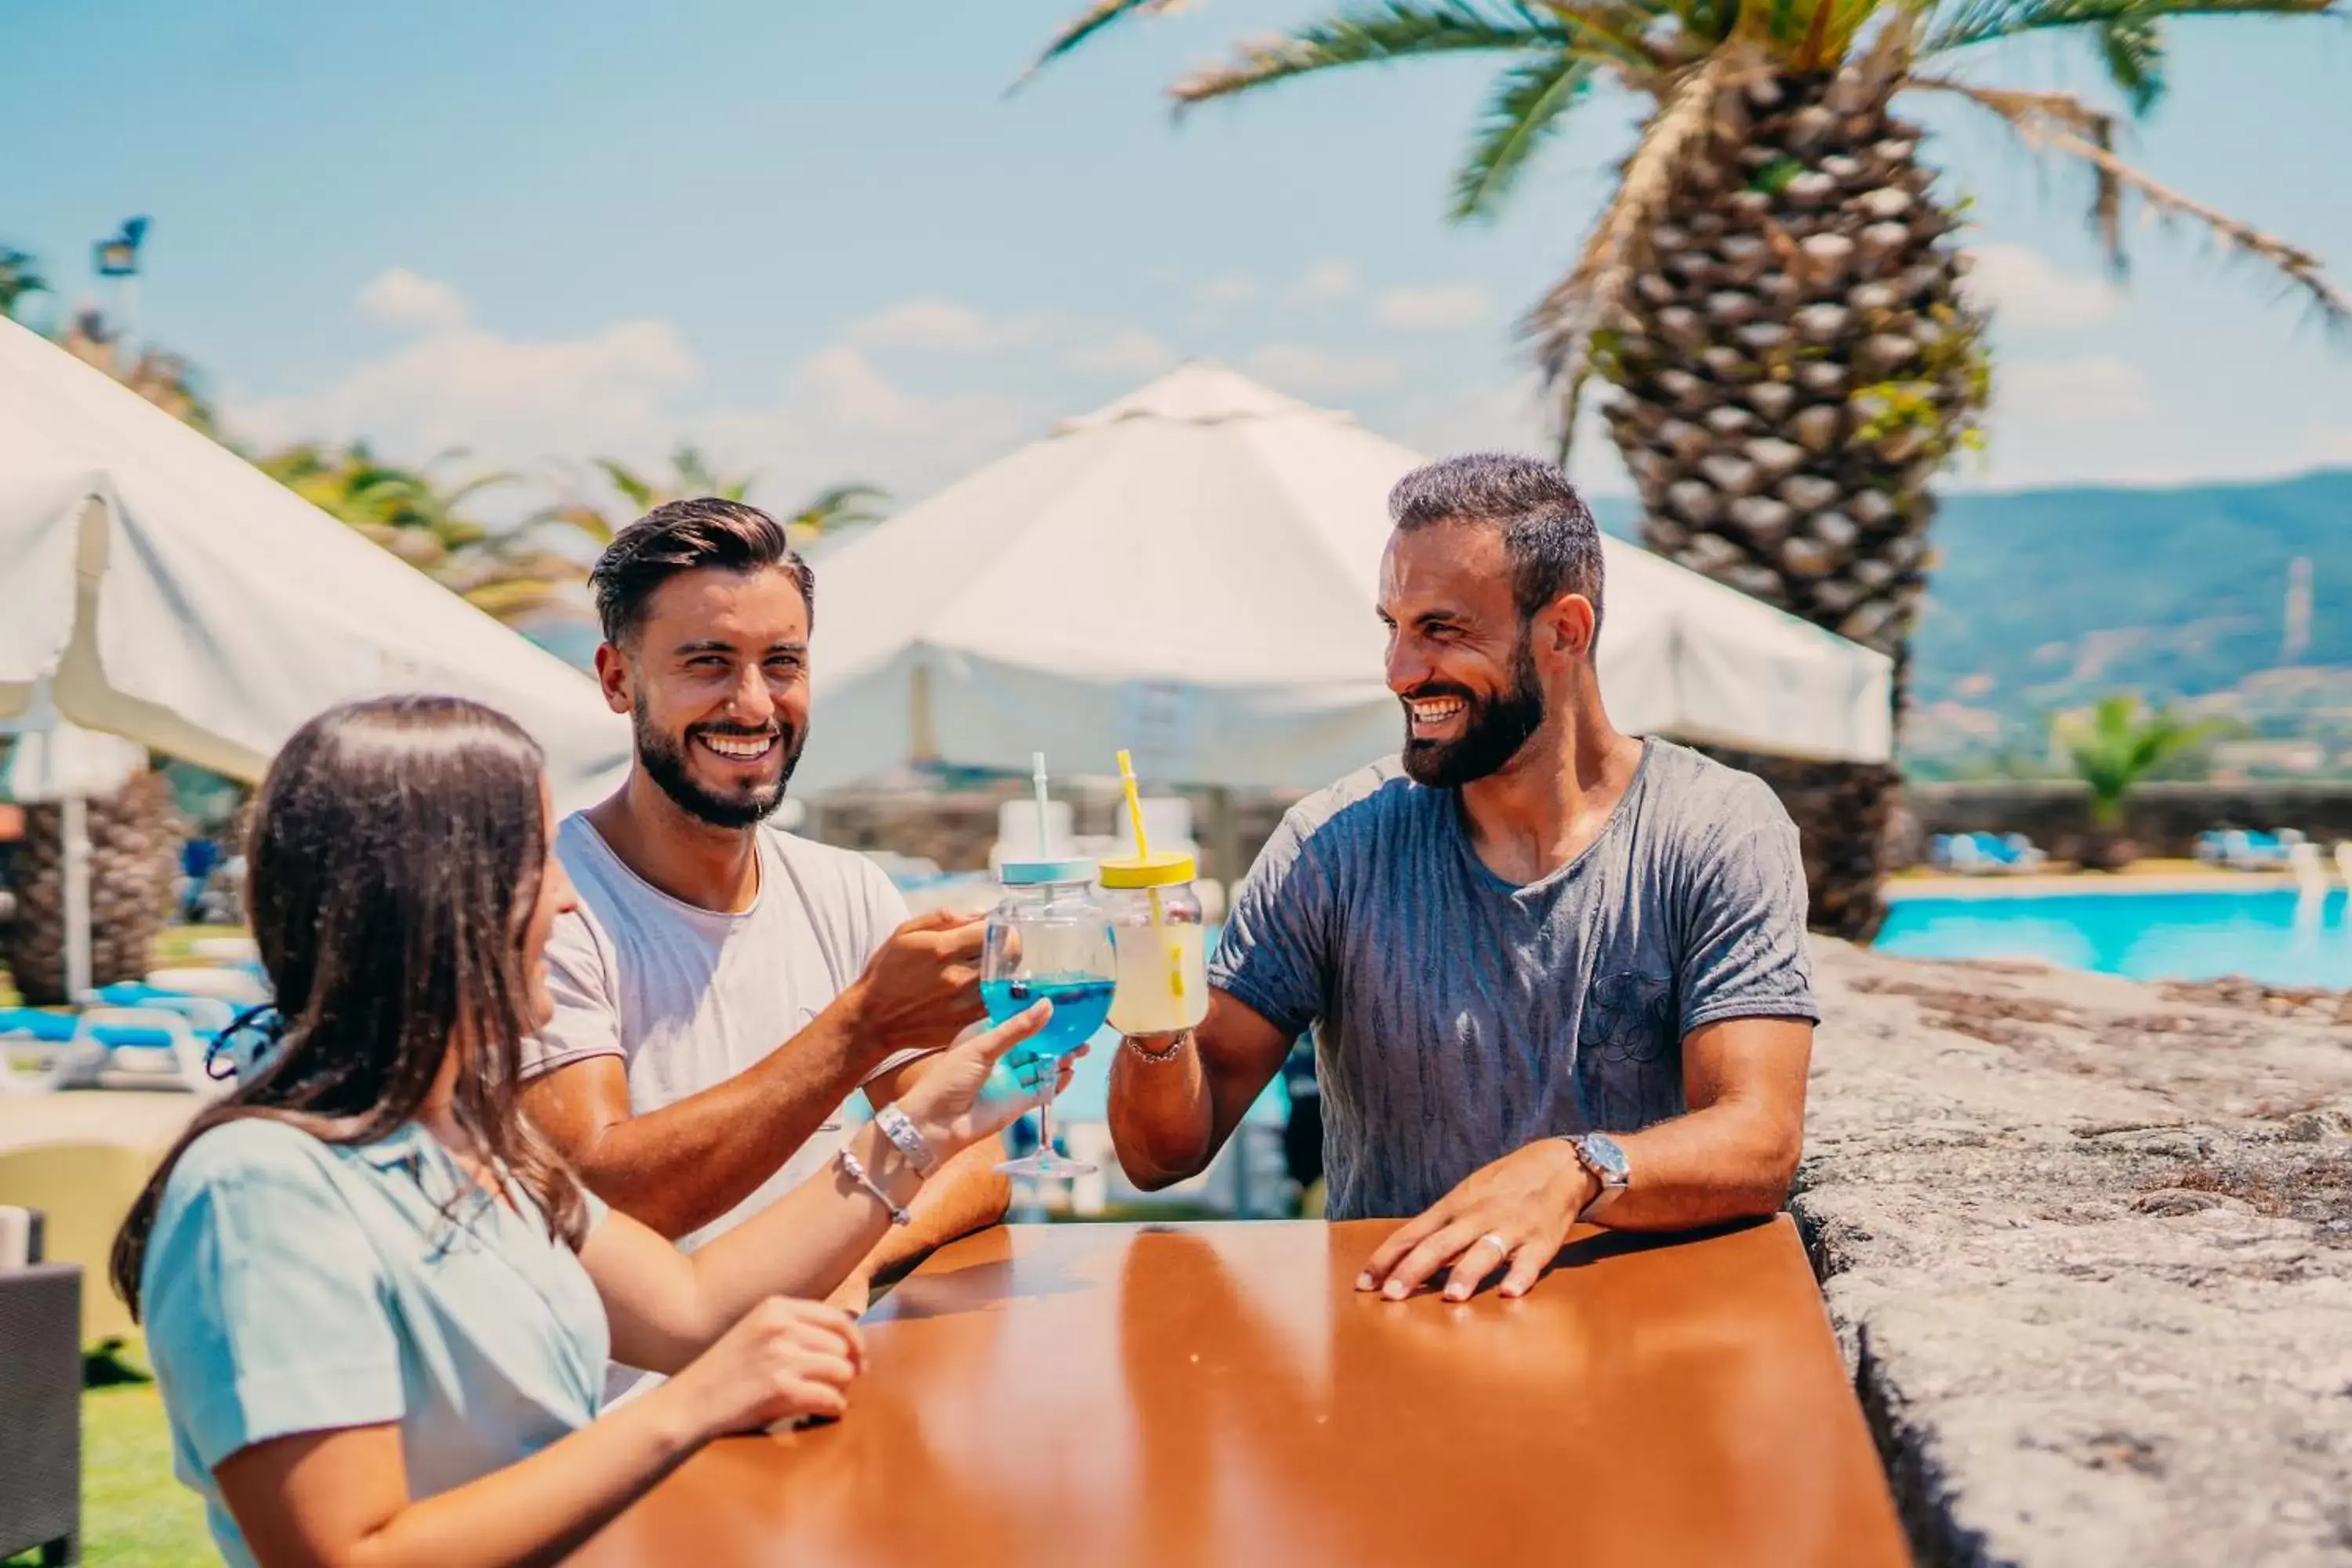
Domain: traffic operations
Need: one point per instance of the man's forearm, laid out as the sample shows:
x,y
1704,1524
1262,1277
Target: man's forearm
x,y
965,1196
681,1166
1728,1161
1162,1117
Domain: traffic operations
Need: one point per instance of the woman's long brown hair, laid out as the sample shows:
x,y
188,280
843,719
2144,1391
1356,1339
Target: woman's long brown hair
x,y
397,853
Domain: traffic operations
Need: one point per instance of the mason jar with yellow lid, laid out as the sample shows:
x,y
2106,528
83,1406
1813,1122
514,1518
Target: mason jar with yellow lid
x,y
1157,933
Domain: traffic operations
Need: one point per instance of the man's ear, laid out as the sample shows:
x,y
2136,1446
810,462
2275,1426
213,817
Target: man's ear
x,y
1567,624
613,673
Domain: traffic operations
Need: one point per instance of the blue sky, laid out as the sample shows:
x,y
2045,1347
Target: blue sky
x,y
820,239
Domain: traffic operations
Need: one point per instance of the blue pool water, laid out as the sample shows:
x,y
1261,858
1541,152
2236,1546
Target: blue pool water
x,y
2275,936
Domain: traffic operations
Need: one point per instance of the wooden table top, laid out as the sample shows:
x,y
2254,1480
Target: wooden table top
x,y
1108,1394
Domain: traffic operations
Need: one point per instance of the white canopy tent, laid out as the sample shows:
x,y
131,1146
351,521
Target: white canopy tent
x,y
161,589
1191,570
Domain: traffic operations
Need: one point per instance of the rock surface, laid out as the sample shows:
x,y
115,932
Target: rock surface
x,y
2088,1247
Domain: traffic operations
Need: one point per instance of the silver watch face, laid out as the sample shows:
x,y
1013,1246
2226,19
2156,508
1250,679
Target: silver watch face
x,y
1608,1161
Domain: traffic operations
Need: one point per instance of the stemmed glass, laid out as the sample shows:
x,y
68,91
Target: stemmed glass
x,y
1048,943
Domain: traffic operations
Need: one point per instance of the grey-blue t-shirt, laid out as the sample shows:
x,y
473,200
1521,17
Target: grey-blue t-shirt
x,y
1457,1016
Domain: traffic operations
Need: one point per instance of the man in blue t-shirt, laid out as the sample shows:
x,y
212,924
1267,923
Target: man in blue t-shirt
x,y
1552,972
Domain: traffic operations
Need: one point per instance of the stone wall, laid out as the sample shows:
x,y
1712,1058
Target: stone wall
x,y
2163,819
2088,1246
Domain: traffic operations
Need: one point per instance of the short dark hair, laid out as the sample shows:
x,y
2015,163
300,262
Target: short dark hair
x,y
681,536
1549,532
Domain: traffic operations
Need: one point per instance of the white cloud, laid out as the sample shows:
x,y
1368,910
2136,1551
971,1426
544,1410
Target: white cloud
x,y
1304,368
399,298
1427,309
2093,389
2025,290
1324,282
505,400
1122,351
927,324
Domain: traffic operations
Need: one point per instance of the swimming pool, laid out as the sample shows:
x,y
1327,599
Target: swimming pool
x,y
2278,936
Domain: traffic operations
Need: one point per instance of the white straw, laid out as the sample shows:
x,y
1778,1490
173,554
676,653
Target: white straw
x,y
1037,778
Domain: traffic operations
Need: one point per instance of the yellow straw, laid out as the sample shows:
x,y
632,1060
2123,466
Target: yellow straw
x,y
1144,852
1134,804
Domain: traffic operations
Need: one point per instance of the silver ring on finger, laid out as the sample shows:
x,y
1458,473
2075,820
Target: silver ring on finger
x,y
1495,1241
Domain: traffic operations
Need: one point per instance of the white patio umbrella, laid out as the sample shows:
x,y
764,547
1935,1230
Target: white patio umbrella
x,y
170,592
158,591
1191,573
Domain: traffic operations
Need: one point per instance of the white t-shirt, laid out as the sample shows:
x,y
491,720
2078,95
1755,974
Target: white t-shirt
x,y
688,997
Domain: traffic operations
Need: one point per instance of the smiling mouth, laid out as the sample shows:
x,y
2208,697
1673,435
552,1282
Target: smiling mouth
x,y
1435,712
738,748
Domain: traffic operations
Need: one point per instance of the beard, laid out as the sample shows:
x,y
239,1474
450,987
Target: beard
x,y
664,760
1494,729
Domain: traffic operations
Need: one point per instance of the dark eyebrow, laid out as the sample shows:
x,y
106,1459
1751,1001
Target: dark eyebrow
x,y
719,645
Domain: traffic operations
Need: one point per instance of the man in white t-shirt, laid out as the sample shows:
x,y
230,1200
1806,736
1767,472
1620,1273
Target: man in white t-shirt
x,y
724,987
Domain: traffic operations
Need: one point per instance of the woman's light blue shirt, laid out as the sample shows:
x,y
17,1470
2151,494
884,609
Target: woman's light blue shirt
x,y
294,1286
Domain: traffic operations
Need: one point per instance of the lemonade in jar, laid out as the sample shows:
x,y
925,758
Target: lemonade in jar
x,y
1156,929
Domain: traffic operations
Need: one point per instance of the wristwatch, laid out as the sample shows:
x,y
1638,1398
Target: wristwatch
x,y
1605,1158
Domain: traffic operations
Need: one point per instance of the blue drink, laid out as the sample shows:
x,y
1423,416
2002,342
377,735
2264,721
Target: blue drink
x,y
1081,1003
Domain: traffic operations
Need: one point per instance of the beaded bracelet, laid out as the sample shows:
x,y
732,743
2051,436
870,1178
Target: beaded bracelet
x,y
855,1172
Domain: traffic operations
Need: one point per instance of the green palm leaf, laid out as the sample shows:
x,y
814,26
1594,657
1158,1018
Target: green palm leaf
x,y
2132,48
1965,23
1081,27
1523,115
1376,35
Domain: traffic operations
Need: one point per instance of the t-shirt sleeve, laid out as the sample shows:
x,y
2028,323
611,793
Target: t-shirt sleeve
x,y
1744,952
1275,955
265,1305
587,1019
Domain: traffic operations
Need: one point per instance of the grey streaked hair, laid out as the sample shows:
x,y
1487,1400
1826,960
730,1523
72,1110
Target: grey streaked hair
x,y
1553,543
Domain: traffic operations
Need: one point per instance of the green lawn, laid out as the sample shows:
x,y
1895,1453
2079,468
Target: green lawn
x,y
133,1514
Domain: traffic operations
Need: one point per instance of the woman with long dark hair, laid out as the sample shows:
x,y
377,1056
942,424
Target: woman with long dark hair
x,y
378,1306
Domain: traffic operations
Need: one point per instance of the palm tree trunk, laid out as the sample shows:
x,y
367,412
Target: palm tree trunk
x,y
134,845
1793,364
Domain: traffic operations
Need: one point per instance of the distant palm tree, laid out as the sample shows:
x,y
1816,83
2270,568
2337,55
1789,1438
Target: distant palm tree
x,y
20,274
1773,288
831,512
2112,749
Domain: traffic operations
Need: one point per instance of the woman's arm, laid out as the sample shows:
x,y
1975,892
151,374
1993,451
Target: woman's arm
x,y
665,1306
339,1498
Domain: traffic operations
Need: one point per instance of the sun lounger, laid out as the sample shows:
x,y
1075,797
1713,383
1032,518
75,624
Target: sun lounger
x,y
1985,854
2241,851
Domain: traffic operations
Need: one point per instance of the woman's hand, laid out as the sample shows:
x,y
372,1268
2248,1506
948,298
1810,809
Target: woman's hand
x,y
784,1358
980,1085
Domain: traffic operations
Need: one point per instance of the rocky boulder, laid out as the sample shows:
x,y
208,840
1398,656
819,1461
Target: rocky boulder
x,y
2088,1246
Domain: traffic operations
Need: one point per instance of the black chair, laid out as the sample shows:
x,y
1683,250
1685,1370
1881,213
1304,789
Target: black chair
x,y
40,1391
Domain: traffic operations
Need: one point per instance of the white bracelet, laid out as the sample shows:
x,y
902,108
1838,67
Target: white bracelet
x,y
855,1170
900,1128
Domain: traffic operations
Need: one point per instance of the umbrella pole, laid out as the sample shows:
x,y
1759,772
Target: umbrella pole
x,y
74,829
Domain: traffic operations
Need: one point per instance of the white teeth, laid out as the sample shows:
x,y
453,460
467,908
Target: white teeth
x,y
1435,712
737,747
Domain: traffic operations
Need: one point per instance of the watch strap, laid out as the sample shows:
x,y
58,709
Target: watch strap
x,y
908,1139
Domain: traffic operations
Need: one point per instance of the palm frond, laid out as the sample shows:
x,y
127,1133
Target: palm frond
x,y
2132,48
1563,322
1960,24
840,507
2063,123
1523,115
1374,35
626,481
1621,28
1081,27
